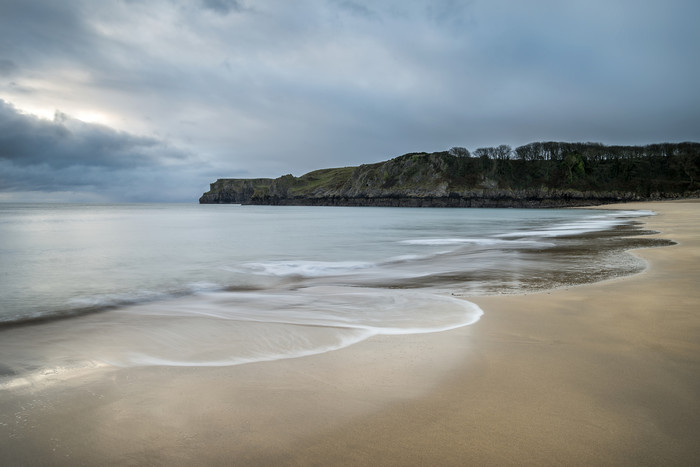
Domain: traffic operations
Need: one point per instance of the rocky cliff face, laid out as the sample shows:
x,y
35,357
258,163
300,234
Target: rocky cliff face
x,y
416,180
234,190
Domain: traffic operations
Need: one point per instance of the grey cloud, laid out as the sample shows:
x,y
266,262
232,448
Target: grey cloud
x,y
292,86
455,14
64,142
38,31
66,154
222,6
7,67
357,9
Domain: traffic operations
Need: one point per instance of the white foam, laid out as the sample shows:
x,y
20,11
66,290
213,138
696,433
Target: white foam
x,y
115,299
450,241
478,241
596,224
140,359
200,287
231,328
317,320
306,268
637,213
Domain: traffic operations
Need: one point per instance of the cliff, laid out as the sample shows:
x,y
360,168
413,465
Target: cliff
x,y
234,190
455,179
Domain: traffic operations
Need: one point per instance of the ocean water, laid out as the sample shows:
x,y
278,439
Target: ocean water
x,y
198,285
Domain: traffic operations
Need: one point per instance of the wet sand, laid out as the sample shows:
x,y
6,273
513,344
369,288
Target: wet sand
x,y
601,374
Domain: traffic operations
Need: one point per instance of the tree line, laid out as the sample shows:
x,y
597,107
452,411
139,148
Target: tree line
x,y
666,168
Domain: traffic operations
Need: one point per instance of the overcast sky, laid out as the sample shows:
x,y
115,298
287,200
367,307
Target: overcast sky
x,y
127,100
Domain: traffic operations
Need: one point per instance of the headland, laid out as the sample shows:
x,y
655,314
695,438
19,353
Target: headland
x,y
537,175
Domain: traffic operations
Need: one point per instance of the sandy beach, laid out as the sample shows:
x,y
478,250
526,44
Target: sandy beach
x,y
601,374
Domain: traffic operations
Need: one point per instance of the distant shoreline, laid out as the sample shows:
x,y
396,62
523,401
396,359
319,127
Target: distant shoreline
x,y
537,175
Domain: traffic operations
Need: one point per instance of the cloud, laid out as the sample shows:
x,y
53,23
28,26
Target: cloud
x,y
267,87
357,8
223,7
7,67
69,155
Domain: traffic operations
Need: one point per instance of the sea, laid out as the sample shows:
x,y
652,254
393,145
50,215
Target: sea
x,y
84,286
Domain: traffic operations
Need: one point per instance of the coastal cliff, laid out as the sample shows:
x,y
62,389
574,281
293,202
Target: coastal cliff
x,y
570,174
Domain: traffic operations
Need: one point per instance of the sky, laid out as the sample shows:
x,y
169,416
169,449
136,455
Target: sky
x,y
150,101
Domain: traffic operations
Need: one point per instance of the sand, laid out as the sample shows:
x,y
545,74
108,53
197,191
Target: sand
x,y
602,374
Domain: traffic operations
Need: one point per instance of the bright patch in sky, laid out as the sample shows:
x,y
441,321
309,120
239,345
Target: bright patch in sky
x,y
44,113
91,116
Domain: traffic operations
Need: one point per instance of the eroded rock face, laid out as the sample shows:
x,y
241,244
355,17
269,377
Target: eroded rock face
x,y
233,190
243,191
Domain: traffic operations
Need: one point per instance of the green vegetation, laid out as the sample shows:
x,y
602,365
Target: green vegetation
x,y
644,170
552,173
318,179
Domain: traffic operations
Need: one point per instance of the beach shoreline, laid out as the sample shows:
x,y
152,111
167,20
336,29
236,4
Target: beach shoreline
x,y
605,373
597,374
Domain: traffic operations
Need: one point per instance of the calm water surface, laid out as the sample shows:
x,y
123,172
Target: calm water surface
x,y
224,284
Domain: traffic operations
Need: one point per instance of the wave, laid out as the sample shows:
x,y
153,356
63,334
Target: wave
x,y
92,304
595,223
450,241
303,268
486,242
229,328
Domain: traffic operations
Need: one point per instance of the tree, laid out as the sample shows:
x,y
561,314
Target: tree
x,y
688,160
459,152
574,166
502,152
484,153
528,152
